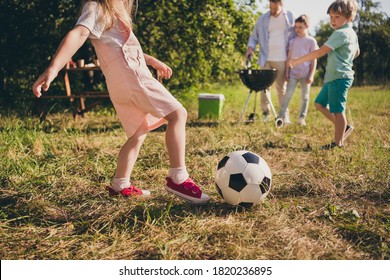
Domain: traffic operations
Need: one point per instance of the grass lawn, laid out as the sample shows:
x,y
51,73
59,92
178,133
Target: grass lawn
x,y
323,205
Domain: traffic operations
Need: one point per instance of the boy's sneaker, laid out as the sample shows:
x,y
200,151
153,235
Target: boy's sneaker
x,y
127,192
348,131
187,190
302,121
330,146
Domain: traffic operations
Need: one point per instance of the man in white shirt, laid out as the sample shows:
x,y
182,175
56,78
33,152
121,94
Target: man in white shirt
x,y
273,31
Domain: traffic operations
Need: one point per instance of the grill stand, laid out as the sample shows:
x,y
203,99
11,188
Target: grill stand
x,y
252,116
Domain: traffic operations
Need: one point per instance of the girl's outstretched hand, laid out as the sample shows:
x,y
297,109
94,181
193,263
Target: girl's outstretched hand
x,y
43,82
163,70
68,47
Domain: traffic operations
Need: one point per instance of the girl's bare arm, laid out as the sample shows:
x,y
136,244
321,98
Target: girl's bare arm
x,y
67,48
163,70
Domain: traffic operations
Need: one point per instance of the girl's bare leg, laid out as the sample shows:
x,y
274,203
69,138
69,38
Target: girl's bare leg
x,y
129,153
175,137
178,181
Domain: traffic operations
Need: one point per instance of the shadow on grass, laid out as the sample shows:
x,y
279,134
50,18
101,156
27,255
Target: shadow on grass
x,y
278,145
297,190
99,213
366,239
189,124
360,232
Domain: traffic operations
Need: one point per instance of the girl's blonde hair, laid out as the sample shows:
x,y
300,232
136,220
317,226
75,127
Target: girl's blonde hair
x,y
111,9
347,8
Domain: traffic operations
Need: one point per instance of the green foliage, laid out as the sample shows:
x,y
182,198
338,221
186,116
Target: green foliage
x,y
33,30
374,38
201,40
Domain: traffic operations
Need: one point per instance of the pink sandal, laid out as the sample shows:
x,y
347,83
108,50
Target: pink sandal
x,y
127,192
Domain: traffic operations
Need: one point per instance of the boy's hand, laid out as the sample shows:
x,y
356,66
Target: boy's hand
x,y
292,62
43,82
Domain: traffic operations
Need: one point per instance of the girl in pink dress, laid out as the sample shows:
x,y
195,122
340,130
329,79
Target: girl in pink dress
x,y
141,102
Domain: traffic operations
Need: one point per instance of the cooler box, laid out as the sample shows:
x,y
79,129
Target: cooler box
x,y
210,105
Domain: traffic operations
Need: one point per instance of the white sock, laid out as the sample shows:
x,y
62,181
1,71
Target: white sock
x,y
178,175
118,184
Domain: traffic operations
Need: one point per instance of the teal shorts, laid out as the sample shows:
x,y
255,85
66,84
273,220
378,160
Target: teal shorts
x,y
334,94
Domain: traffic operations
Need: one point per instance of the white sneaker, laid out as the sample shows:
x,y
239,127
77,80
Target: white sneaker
x,y
266,117
287,121
302,121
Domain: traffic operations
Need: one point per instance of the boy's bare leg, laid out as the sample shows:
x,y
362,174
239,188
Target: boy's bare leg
x,y
340,125
325,111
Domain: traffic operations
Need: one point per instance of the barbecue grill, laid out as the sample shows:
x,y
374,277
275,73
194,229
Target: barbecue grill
x,y
257,80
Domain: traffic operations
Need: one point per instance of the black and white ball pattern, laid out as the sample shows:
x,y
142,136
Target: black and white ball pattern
x,y
243,178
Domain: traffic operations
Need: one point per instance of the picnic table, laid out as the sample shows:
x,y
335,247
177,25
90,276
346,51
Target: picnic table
x,y
77,98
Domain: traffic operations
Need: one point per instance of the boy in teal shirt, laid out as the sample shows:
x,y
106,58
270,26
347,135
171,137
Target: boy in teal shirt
x,y
342,48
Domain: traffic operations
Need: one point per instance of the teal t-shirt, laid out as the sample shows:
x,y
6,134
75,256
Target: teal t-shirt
x,y
344,44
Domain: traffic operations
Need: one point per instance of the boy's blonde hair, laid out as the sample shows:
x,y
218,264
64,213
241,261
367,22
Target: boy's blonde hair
x,y
111,9
347,8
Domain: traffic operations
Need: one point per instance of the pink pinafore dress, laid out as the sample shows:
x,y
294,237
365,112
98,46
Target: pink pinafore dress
x,y
138,98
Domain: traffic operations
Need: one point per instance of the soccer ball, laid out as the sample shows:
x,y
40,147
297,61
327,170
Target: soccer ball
x,y
243,178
